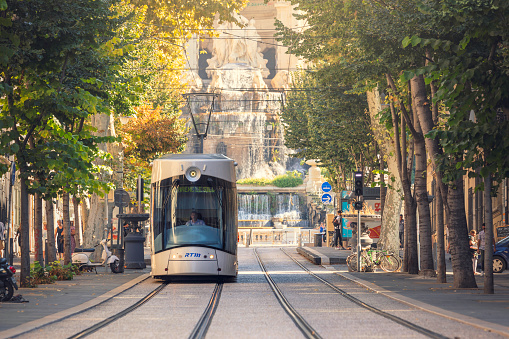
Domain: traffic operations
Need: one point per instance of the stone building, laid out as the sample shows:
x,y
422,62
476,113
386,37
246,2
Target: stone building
x,y
249,71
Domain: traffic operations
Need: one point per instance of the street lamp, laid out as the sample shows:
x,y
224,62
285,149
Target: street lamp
x,y
200,127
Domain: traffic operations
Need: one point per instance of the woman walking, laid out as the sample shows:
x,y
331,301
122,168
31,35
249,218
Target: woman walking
x,y
59,235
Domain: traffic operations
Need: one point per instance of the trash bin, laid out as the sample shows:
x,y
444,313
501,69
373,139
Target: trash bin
x,y
318,239
134,251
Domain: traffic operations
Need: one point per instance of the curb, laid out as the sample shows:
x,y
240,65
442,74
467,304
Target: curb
x,y
481,324
315,257
32,325
319,259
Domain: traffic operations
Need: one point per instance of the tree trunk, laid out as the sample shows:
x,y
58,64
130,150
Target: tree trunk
x,y
460,250
389,233
441,272
25,236
38,246
94,232
97,220
85,208
383,187
50,219
77,221
419,103
67,229
488,246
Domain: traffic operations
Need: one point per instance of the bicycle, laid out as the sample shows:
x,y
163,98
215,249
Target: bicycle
x,y
331,238
371,258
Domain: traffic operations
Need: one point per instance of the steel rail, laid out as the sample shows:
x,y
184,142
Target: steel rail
x,y
304,327
201,328
119,315
359,302
80,311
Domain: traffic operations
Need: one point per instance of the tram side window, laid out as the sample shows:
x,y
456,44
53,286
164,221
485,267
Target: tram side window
x,y
161,198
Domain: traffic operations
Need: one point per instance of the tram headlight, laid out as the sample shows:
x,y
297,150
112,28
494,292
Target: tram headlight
x,y
193,174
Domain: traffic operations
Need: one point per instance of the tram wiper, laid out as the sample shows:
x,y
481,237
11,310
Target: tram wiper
x,y
173,185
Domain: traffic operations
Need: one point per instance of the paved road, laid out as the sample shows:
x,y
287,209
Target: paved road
x,y
249,309
471,305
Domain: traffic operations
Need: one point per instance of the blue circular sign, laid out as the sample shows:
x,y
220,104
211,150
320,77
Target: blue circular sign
x,y
326,187
326,198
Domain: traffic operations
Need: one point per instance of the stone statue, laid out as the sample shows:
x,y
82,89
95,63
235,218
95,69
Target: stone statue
x,y
281,80
237,45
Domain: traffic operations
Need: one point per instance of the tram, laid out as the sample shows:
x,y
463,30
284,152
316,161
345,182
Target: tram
x,y
194,216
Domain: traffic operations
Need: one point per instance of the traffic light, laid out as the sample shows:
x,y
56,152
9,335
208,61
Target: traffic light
x,y
358,183
357,205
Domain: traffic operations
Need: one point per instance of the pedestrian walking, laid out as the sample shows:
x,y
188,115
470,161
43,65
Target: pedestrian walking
x,y
481,245
473,250
401,230
338,225
59,235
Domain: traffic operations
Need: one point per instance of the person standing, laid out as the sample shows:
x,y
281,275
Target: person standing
x,y
481,245
59,235
473,250
73,239
401,231
338,225
2,239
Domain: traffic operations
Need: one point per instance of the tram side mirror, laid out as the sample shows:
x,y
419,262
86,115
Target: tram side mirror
x,y
235,164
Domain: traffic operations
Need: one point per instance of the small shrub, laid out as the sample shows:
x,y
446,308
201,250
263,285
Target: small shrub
x,y
39,275
66,272
254,181
290,179
52,272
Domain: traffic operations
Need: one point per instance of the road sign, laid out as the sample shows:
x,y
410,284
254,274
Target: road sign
x,y
326,198
121,198
326,187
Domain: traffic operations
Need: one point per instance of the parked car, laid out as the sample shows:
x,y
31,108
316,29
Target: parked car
x,y
501,255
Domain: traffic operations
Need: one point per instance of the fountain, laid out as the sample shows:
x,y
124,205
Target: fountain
x,y
245,123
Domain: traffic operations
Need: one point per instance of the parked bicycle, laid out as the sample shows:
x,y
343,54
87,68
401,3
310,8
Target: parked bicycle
x,y
372,258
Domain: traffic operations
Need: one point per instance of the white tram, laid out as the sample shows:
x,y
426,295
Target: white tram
x,y
194,216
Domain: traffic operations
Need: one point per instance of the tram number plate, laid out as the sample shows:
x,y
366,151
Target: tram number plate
x,y
192,255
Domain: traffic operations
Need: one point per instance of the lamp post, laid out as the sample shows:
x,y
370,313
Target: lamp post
x,y
201,128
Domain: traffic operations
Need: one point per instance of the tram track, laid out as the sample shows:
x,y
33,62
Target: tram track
x,y
426,332
115,317
307,330
200,330
110,298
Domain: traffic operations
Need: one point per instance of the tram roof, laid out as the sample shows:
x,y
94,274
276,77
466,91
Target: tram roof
x,y
181,157
215,165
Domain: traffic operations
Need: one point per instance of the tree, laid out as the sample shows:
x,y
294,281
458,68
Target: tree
x,y
314,125
38,97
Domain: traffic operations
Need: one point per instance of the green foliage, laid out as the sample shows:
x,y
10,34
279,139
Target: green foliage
x,y
255,181
52,272
290,179
322,121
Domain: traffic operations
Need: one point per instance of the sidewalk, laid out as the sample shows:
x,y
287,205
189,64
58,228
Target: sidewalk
x,y
467,305
48,300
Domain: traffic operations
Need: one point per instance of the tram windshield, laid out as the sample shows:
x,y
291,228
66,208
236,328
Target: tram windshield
x,y
189,213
